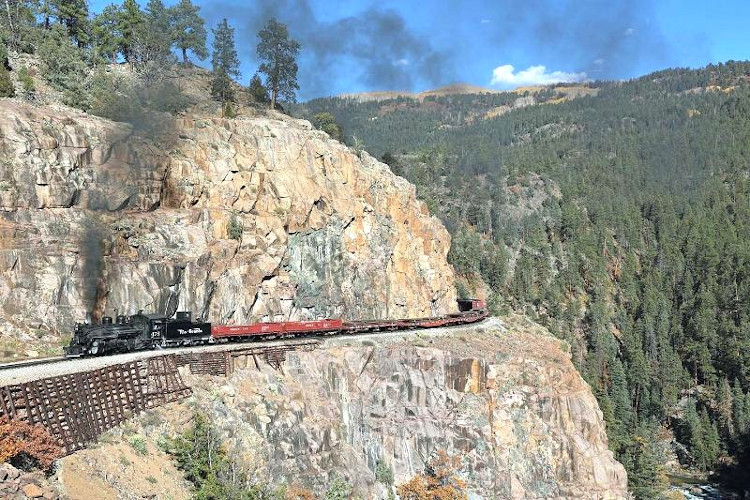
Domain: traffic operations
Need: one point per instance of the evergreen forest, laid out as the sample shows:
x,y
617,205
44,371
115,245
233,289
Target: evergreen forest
x,y
619,219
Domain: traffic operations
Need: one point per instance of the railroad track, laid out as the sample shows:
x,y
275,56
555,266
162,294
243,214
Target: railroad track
x,y
31,362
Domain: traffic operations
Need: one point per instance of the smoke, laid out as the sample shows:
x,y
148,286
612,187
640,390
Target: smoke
x,y
378,49
602,38
375,46
92,253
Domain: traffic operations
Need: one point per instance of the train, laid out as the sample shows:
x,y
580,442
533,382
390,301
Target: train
x,y
143,331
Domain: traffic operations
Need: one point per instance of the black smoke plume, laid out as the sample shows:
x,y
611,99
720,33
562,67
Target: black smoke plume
x,y
92,255
606,39
376,45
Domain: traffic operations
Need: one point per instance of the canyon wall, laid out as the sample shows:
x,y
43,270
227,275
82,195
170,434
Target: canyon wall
x,y
245,219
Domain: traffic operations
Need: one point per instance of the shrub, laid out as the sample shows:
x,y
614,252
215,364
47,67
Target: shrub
x,y
27,446
327,123
206,463
439,480
235,228
26,80
138,443
6,85
65,67
151,479
383,473
339,489
229,111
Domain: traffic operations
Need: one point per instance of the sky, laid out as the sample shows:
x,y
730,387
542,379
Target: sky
x,y
409,45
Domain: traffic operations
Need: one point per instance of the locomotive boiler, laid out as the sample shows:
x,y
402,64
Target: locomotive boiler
x,y
137,332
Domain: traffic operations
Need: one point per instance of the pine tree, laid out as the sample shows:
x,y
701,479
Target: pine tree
x,y
105,32
130,25
278,54
152,47
641,458
225,64
188,30
74,14
258,90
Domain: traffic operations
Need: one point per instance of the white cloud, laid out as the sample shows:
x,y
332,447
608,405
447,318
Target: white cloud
x,y
629,31
506,76
401,62
485,21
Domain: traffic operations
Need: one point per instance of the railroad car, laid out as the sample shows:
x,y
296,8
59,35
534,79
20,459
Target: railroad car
x,y
149,331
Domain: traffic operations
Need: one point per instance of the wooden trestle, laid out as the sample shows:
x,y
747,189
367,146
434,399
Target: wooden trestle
x,y
78,407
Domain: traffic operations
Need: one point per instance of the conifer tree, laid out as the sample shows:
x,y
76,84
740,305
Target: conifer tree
x,y
74,15
278,54
188,30
226,65
130,24
258,90
105,32
152,46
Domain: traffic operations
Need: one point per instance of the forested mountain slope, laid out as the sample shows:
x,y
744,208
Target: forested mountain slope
x,y
621,220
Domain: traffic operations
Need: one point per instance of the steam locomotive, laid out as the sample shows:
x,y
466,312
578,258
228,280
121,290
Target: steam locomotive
x,y
152,331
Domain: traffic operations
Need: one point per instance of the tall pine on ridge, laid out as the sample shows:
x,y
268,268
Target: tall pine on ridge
x,y
278,54
188,30
225,63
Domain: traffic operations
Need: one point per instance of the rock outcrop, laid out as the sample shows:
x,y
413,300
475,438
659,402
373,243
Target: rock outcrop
x,y
238,220
505,398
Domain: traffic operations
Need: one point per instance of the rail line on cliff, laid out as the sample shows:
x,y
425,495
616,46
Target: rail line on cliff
x,y
76,407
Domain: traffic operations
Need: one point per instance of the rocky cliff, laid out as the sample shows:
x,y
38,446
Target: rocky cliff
x,y
257,217
505,398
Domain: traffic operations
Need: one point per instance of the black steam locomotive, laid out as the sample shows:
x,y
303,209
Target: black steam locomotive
x,y
136,332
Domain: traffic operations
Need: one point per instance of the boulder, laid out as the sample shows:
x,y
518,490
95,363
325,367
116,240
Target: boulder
x,y
32,491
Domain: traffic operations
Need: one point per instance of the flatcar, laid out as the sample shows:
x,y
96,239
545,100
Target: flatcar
x,y
150,331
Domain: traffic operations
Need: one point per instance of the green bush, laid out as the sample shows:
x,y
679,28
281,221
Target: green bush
x,y
26,80
203,458
65,67
6,85
339,489
235,228
138,443
383,473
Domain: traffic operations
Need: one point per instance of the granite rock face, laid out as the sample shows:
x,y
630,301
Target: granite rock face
x,y
508,401
254,218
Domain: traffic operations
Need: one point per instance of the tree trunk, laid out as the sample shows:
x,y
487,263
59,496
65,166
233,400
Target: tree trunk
x,y
10,23
184,55
274,91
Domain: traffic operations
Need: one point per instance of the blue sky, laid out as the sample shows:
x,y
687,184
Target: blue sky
x,y
412,45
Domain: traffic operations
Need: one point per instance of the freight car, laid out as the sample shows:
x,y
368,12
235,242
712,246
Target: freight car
x,y
150,331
